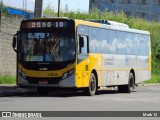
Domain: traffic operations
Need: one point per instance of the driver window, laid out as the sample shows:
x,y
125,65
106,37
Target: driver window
x,y
83,45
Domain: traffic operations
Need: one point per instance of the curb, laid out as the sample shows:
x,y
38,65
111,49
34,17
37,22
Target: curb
x,y
10,90
150,84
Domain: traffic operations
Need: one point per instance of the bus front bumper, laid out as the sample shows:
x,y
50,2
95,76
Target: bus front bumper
x,y
68,82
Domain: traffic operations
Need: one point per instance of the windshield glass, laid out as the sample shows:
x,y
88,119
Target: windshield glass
x,y
47,47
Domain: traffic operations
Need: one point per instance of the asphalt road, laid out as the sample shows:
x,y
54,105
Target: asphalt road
x,y
142,99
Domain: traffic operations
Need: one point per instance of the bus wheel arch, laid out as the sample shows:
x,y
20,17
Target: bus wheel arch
x,y
128,88
93,83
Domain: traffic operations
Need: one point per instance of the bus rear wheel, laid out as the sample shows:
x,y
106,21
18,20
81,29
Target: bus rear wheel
x,y
92,89
129,87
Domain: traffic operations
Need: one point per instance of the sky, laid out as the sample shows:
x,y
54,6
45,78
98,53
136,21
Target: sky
x,y
82,5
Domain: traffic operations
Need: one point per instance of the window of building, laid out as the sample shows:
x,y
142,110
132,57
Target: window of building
x,y
109,1
94,1
128,14
142,2
156,17
140,15
125,1
93,5
157,2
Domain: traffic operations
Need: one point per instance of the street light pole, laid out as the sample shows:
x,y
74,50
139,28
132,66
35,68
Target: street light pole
x,y
38,8
58,8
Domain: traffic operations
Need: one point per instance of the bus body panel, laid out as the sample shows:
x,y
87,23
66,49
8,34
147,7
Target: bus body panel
x,y
85,67
108,70
66,83
118,72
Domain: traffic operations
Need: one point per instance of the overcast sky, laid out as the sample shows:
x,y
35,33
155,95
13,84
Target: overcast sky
x,y
82,5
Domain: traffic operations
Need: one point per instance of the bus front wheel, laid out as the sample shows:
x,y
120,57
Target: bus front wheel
x,y
129,87
91,90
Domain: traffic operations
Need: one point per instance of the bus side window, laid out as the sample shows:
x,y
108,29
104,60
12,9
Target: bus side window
x,y
135,44
83,45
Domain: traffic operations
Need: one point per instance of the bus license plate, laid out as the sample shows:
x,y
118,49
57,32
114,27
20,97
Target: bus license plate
x,y
42,82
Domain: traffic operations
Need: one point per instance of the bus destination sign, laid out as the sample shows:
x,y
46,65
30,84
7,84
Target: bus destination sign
x,y
44,24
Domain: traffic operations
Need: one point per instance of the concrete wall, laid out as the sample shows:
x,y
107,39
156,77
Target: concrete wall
x,y
9,26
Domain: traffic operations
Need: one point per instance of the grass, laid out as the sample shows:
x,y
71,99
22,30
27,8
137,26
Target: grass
x,y
7,79
155,78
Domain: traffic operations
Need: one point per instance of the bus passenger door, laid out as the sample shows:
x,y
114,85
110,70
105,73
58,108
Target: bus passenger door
x,y
83,61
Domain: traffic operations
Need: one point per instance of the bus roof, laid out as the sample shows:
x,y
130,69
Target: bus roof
x,y
110,25
100,24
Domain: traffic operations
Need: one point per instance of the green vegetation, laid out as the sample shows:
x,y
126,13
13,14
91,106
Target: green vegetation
x,y
155,79
7,79
3,9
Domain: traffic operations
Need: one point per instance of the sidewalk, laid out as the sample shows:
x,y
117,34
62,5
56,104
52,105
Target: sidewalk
x,y
11,89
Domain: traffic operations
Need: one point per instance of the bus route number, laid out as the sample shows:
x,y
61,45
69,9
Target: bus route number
x,y
47,24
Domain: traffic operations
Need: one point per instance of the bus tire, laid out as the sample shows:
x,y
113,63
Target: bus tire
x,y
42,91
92,89
129,87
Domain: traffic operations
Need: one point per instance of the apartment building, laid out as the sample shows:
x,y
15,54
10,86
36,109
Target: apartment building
x,y
147,9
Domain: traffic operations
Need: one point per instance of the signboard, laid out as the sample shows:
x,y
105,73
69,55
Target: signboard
x,y
45,24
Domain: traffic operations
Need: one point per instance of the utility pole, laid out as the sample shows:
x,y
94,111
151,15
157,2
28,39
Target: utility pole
x,y
38,8
1,9
59,8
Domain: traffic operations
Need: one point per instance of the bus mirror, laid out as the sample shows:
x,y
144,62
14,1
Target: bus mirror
x,y
14,43
81,42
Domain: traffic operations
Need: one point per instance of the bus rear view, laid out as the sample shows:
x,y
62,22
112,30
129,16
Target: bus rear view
x,y
45,53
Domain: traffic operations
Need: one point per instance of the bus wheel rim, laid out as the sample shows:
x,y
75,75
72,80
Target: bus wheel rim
x,y
93,84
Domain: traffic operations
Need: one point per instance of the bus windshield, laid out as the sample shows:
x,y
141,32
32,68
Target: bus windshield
x,y
47,47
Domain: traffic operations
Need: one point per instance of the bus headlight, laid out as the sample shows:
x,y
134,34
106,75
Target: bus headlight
x,y
23,75
19,71
67,74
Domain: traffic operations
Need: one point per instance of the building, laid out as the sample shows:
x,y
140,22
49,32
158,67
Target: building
x,y
16,11
23,8
147,9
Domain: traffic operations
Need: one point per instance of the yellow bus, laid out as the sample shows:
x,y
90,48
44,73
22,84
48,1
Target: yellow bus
x,y
82,54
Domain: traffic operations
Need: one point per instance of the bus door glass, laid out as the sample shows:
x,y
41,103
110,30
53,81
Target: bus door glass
x,y
82,47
